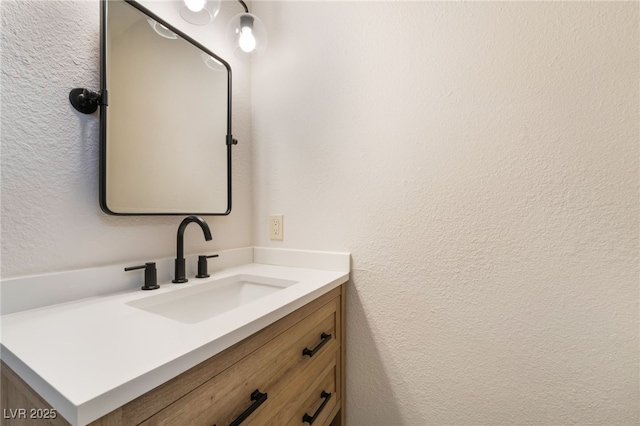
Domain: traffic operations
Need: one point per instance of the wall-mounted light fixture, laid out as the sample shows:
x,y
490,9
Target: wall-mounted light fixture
x,y
245,32
200,12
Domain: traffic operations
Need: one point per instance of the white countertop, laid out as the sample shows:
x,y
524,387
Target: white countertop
x,y
90,356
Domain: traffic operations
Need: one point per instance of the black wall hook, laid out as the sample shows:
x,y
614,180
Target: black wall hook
x,y
85,100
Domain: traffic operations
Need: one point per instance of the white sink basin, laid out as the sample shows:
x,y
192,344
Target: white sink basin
x,y
197,303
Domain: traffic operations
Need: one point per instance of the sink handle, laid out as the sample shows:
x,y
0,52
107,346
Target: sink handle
x,y
150,275
203,268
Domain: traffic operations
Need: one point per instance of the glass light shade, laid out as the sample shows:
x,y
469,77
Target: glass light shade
x,y
199,12
162,30
247,35
195,5
212,63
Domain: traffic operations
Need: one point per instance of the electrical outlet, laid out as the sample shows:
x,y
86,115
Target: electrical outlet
x,y
275,227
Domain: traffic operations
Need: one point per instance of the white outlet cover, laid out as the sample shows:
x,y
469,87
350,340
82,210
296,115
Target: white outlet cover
x,y
275,227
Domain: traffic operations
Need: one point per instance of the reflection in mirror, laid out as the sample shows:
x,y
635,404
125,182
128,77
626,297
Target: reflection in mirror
x,y
165,132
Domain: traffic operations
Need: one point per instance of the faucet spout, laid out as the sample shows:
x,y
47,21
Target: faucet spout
x,y
180,270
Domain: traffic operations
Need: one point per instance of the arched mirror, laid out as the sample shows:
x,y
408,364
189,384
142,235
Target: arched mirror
x,y
165,142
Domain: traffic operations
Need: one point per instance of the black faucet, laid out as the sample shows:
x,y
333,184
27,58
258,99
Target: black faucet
x,y
180,275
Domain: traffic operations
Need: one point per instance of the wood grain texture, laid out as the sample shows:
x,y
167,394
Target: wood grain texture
x,y
341,420
303,396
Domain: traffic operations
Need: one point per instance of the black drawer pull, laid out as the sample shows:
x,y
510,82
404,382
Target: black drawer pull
x,y
310,419
311,352
256,396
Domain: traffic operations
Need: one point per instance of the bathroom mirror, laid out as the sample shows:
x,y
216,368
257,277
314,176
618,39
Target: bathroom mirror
x,y
165,132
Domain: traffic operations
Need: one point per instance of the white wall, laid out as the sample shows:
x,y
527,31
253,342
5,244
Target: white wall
x,y
51,220
480,162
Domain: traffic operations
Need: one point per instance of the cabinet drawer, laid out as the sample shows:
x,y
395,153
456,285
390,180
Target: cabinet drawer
x,y
303,394
222,399
320,401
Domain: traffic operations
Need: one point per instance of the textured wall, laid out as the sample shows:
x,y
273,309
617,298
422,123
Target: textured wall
x,y
480,162
51,220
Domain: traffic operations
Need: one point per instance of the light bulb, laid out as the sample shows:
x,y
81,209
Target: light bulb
x,y
199,12
247,41
195,5
246,35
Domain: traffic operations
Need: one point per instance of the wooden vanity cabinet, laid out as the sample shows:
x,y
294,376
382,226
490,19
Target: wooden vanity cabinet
x,y
289,373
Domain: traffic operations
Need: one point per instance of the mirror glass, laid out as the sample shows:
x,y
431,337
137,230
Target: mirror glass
x,y
164,132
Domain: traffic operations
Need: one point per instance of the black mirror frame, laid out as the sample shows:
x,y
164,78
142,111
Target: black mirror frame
x,y
103,112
